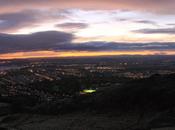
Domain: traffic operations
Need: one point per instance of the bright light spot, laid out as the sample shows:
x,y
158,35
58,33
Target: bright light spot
x,y
89,91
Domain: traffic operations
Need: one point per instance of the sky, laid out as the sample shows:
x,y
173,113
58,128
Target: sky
x,y
68,28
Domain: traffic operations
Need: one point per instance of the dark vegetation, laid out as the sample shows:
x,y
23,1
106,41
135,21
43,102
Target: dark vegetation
x,y
153,95
156,93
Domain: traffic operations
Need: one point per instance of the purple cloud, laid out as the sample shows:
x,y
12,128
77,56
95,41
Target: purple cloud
x,y
72,25
61,41
157,31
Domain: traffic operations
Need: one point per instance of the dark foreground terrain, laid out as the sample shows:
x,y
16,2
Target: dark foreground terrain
x,y
143,104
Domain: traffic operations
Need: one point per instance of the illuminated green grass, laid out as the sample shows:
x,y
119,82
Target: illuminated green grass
x,y
89,91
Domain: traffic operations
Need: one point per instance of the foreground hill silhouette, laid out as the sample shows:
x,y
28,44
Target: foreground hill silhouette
x,y
138,104
154,93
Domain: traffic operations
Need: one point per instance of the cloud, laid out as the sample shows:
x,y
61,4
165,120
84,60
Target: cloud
x,y
171,24
10,22
145,22
71,26
157,31
137,21
37,41
13,21
161,6
61,41
116,46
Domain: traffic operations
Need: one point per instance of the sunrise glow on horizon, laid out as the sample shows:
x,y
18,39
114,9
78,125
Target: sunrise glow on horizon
x,y
50,54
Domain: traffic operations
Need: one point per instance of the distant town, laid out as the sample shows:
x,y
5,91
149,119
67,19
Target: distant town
x,y
22,76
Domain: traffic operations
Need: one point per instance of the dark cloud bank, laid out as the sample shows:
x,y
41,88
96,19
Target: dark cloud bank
x,y
61,41
157,31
